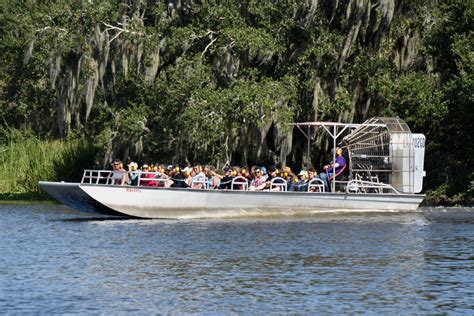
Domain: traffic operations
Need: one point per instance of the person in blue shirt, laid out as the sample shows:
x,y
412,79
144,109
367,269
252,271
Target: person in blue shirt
x,y
333,167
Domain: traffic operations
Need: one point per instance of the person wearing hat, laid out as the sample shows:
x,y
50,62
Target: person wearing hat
x,y
187,175
301,182
133,174
178,178
148,177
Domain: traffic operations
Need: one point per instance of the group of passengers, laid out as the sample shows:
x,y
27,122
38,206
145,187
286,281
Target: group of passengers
x,y
255,178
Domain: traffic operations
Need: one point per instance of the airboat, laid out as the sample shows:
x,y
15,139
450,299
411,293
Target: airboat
x,y
384,172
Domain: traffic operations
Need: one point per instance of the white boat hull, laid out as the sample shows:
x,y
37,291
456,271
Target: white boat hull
x,y
71,195
178,203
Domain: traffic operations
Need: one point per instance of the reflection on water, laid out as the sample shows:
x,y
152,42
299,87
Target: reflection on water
x,y
58,261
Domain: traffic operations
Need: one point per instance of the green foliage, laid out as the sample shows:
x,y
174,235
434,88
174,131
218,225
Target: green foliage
x,y
213,114
228,68
413,96
125,120
27,160
451,43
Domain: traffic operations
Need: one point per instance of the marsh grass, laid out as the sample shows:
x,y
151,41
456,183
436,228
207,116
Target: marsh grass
x,y
24,162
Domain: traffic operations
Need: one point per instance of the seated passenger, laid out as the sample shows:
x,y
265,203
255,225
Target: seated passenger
x,y
178,178
146,177
119,175
214,179
245,172
311,175
273,173
259,183
264,171
150,176
236,171
226,181
187,175
133,173
300,182
239,183
198,177
333,167
290,177
162,176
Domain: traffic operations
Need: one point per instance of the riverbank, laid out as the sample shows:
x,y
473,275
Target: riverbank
x,y
26,160
25,197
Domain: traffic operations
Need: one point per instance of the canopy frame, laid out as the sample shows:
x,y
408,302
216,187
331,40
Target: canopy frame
x,y
334,135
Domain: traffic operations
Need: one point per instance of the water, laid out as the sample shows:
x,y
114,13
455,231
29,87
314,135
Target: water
x,y
54,260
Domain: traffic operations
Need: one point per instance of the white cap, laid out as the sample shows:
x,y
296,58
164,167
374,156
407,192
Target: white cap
x,y
303,173
187,169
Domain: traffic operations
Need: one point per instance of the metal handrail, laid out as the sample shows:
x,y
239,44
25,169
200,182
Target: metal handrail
x,y
239,180
159,178
282,185
354,186
96,175
319,186
202,180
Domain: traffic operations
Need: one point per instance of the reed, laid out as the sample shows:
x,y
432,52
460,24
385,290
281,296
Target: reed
x,y
27,161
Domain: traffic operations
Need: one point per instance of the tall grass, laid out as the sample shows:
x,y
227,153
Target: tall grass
x,y
26,161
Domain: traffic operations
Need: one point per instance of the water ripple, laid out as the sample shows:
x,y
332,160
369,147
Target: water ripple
x,y
58,261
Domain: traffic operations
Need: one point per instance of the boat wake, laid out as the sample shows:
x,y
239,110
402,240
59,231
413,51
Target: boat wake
x,y
456,215
289,213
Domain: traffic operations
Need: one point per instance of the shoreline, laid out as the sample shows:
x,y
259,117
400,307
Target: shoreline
x,y
25,197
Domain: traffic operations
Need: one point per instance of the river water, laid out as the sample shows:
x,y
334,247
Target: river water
x,y
55,260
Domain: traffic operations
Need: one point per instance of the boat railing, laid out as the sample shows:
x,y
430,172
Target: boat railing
x,y
144,178
97,177
200,183
278,184
152,179
316,185
157,179
239,183
362,186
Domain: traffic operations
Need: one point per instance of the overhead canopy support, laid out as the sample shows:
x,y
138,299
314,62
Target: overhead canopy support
x,y
335,134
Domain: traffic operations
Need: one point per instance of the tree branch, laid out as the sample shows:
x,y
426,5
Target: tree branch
x,y
209,45
119,30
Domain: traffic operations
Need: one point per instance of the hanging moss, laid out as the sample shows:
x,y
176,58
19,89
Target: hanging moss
x,y
218,80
